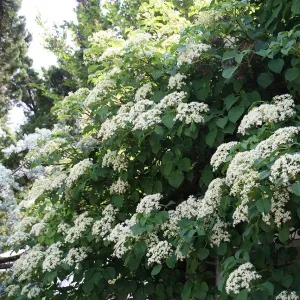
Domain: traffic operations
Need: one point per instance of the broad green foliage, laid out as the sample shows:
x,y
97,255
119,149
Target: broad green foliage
x,y
177,175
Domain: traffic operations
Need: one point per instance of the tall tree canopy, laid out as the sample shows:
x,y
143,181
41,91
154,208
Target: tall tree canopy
x,y
173,172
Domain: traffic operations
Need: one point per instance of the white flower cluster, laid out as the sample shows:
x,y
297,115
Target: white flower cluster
x,y
119,236
208,18
7,183
230,41
281,136
221,154
177,81
147,119
219,234
104,226
278,202
28,264
149,203
191,112
285,295
111,52
116,160
43,185
102,36
195,208
31,291
172,100
81,224
101,89
53,257
119,187
285,169
281,110
12,290
77,170
63,228
138,39
29,141
192,52
158,252
76,255
143,91
38,229
241,278
87,143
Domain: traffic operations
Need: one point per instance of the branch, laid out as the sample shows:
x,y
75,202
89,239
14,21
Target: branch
x,y
9,258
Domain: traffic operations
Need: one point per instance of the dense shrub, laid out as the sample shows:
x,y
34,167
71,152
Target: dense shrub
x,y
177,175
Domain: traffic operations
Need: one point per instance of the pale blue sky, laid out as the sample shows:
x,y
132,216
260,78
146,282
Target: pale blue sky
x,y
52,11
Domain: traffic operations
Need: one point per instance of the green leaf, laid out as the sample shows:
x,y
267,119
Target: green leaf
x,y
276,65
202,253
269,287
233,54
296,7
117,200
253,97
296,188
264,174
176,178
187,290
291,74
159,130
264,205
109,273
287,280
227,73
184,164
243,295
168,120
211,136
137,229
157,74
156,270
265,79
230,100
221,122
88,286
200,290
171,261
235,113
284,234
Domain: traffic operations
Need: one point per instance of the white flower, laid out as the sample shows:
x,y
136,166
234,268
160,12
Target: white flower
x,y
278,202
219,234
101,89
207,18
38,229
281,110
119,236
63,228
191,112
241,278
176,81
281,136
76,255
143,91
221,154
192,52
285,169
287,295
81,224
230,41
158,252
116,160
12,290
29,263
172,100
53,257
31,291
77,170
87,143
119,187
147,119
103,226
149,203
29,141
